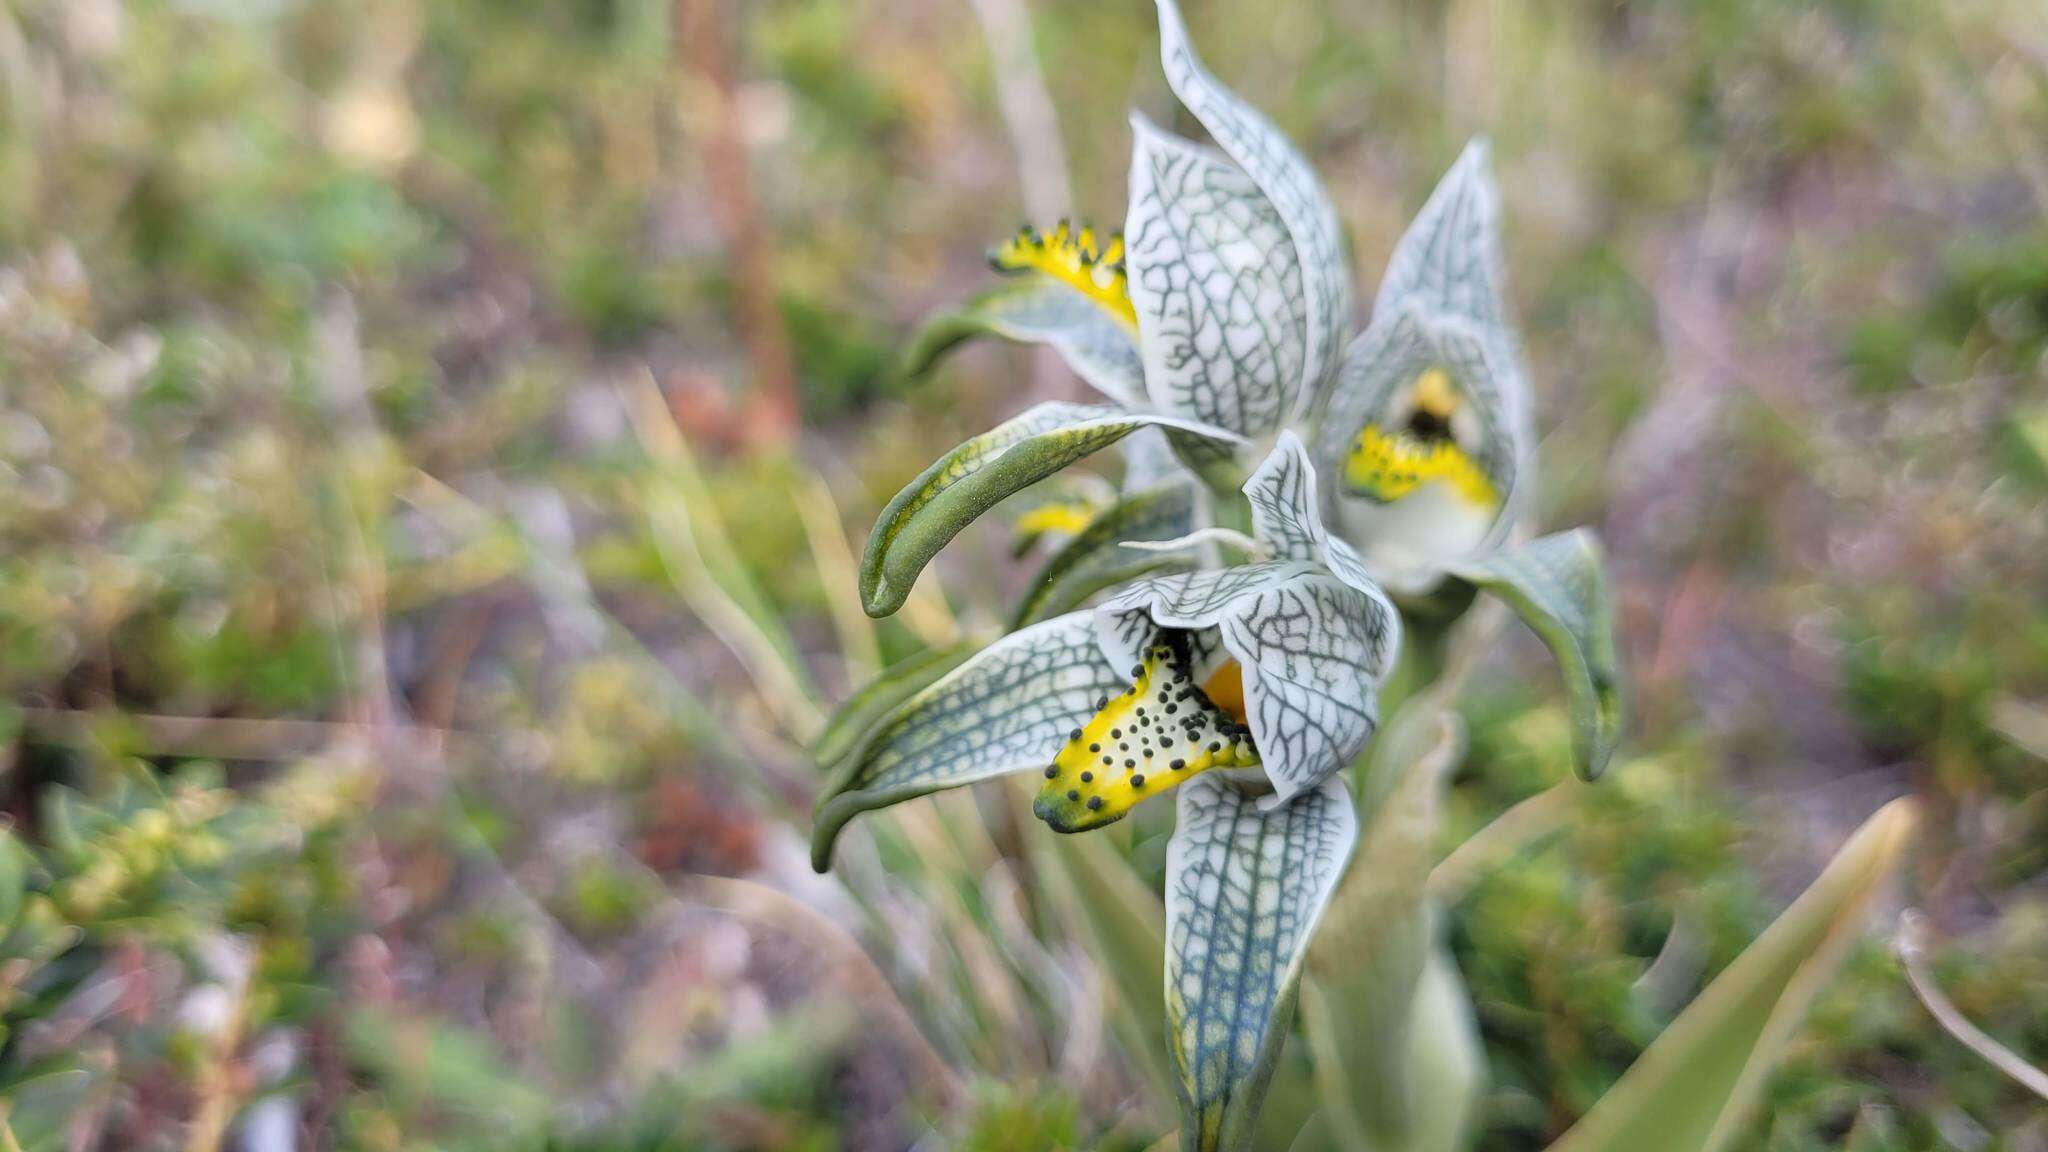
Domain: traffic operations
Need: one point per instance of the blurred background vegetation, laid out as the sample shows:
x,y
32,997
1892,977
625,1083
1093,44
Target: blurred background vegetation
x,y
434,435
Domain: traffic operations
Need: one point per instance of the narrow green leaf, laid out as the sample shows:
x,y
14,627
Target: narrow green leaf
x,y
1244,891
1038,310
1359,1000
1095,559
1006,709
13,878
971,479
1558,585
876,699
1697,1083
1126,924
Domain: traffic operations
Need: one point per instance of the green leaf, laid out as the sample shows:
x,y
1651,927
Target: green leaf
x,y
1096,559
876,699
1558,585
1038,310
1697,1084
1285,179
1244,891
1359,1001
1126,924
13,878
979,474
1007,708
1216,286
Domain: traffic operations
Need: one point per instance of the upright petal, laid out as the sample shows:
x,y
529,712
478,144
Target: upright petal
x,y
1427,425
1449,260
1216,285
1287,180
1007,709
1287,514
1245,887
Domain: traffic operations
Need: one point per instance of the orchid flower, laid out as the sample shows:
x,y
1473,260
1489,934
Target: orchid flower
x,y
1218,320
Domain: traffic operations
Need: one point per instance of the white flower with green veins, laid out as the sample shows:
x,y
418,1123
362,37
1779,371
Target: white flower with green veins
x,y
1220,317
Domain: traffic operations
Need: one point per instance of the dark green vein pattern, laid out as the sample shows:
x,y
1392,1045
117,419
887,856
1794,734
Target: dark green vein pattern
x,y
1244,890
1287,181
1216,286
1008,708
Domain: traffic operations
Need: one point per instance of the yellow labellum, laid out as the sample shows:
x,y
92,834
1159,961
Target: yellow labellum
x,y
1072,256
1065,516
1387,465
1145,741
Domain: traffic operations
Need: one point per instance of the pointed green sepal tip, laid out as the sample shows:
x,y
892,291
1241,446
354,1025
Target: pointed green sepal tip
x,y
1558,586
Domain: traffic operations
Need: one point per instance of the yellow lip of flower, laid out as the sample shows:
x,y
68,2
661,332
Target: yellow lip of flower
x,y
1147,740
1073,257
1386,466
1068,517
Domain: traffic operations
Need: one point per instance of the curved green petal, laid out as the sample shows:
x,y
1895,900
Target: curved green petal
x,y
1007,708
1244,890
1558,585
979,474
1039,310
1216,286
876,699
1096,559
1285,178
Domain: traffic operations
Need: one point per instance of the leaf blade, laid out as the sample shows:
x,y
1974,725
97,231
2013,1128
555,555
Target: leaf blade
x,y
1695,1084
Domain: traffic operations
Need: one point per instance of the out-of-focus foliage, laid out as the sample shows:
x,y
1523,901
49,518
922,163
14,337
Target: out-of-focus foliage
x,y
367,709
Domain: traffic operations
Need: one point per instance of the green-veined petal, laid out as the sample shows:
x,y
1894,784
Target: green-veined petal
x,y
1313,650
1449,260
1217,288
873,701
1008,708
1038,310
1287,514
1287,180
1096,558
1407,539
1558,585
979,474
1245,886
